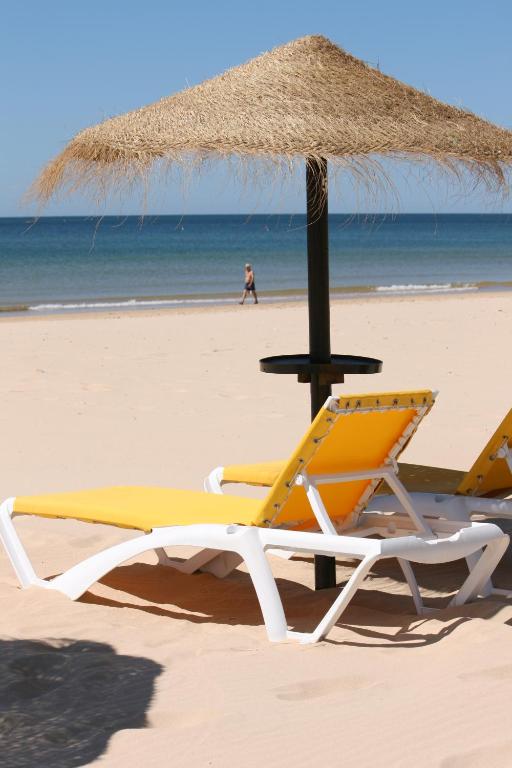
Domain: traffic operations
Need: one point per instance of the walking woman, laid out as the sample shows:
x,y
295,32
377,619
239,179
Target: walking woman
x,y
249,284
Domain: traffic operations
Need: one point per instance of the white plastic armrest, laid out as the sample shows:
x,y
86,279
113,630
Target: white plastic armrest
x,y
213,482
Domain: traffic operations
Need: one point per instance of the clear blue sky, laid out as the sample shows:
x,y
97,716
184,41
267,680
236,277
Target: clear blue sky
x,y
66,65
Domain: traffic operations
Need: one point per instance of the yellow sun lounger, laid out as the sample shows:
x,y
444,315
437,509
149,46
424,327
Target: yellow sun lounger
x,y
327,482
480,492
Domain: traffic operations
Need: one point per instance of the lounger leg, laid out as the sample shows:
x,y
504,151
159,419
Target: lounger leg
x,y
222,564
480,573
213,561
282,553
339,605
472,560
266,588
77,580
14,548
195,563
413,584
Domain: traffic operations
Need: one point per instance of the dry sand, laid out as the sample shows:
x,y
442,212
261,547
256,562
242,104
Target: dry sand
x,y
155,668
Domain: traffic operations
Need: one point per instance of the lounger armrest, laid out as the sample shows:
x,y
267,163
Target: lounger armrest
x,y
263,474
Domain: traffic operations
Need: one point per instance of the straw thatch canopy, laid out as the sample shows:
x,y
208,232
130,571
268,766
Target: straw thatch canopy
x,y
305,99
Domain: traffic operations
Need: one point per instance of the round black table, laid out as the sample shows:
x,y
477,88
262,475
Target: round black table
x,y
326,374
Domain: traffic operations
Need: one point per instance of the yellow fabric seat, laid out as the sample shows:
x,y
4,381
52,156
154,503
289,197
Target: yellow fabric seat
x,y
142,508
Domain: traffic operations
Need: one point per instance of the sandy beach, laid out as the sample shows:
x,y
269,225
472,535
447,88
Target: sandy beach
x,y
159,398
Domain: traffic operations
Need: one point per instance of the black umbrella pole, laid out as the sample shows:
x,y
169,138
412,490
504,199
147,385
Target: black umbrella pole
x,y
319,314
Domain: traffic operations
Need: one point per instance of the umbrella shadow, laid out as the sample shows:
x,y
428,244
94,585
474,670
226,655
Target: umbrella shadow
x,y
204,599
62,700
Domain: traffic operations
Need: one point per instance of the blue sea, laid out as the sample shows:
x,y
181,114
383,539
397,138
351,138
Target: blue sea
x,y
61,264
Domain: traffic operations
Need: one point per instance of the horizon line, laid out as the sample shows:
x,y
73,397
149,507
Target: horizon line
x,y
36,217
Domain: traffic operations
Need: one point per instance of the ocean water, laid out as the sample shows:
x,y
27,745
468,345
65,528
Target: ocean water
x,y
70,263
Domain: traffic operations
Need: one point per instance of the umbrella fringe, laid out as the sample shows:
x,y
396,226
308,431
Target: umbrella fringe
x,y
103,174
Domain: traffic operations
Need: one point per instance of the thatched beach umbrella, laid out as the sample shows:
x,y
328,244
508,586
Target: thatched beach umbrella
x,y
307,100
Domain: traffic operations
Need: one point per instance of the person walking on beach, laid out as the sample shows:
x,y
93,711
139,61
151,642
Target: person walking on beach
x,y
249,284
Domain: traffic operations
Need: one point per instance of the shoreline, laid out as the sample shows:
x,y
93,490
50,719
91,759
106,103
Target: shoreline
x,y
131,302
355,299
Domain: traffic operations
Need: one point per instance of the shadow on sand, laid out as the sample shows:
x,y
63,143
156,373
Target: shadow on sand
x,y
380,613
62,700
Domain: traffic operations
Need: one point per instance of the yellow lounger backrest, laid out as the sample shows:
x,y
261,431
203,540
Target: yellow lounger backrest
x,y
350,433
490,474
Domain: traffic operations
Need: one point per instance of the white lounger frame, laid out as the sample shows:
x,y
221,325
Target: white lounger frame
x,y
250,543
226,545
